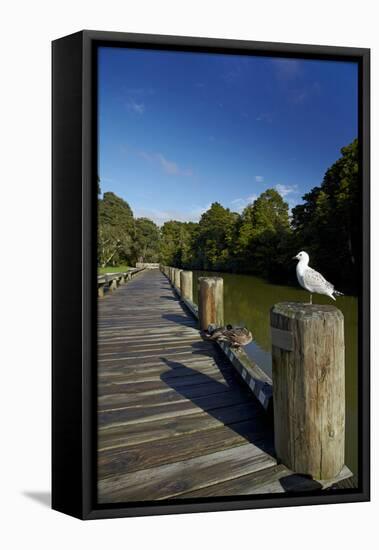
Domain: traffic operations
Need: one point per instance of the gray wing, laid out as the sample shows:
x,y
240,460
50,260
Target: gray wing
x,y
316,282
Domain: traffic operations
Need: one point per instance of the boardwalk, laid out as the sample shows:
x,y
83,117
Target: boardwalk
x,y
174,419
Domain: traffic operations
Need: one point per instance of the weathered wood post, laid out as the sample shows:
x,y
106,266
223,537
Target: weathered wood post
x,y
177,278
186,285
171,274
308,371
112,285
211,301
100,290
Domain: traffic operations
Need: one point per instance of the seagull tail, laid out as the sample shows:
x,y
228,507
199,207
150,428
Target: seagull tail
x,y
338,293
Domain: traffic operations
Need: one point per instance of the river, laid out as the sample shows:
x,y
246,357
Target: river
x,y
247,302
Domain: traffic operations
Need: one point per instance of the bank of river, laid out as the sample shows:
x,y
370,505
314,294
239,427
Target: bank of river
x,y
247,302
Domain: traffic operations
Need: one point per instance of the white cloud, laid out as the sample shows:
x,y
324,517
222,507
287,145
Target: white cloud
x,y
133,92
198,211
285,190
237,201
138,108
168,166
259,179
286,68
162,216
240,204
265,117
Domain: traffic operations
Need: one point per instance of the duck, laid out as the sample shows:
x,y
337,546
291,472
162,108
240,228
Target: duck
x,y
235,336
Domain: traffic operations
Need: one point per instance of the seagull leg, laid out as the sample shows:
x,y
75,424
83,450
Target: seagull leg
x,y
310,298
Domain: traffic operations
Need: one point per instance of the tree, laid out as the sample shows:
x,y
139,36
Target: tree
x,y
215,238
147,240
177,243
263,235
327,224
116,230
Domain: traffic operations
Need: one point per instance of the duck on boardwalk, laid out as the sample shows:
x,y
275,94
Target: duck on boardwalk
x,y
236,337
312,280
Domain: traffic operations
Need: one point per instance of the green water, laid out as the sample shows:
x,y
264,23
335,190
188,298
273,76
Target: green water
x,y
247,302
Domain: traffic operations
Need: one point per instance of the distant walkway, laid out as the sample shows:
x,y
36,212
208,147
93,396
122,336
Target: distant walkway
x,y
174,420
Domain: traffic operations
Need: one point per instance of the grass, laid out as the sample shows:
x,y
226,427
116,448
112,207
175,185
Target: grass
x,y
110,269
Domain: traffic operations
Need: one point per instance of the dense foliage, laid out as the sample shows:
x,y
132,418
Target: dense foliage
x,y
328,224
261,240
121,238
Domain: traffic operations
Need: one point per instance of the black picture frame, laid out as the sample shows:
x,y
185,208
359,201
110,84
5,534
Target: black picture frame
x,y
74,174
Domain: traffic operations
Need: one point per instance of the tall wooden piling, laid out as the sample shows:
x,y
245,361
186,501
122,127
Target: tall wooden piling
x,y
211,301
186,285
308,371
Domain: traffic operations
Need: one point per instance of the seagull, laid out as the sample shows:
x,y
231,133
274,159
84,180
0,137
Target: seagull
x,y
236,337
312,280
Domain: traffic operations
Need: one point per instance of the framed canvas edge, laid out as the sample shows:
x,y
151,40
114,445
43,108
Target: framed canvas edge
x,y
87,508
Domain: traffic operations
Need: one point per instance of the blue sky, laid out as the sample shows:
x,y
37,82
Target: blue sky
x,y
178,130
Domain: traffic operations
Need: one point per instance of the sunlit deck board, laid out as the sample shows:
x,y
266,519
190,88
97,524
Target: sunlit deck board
x,y
174,419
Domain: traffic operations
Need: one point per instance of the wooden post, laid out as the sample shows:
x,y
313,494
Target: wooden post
x,y
308,371
186,285
100,290
177,278
211,301
112,285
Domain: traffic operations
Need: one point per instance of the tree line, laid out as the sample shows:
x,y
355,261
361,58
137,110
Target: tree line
x,y
261,240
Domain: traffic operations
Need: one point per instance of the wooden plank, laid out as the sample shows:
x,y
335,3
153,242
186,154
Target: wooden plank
x,y
276,479
165,395
191,394
132,415
132,434
171,480
161,368
154,384
124,373
163,451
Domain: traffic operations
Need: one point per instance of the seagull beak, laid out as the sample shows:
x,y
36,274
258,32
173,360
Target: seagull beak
x,y
294,257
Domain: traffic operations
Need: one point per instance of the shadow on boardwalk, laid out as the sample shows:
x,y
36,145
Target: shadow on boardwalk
x,y
219,398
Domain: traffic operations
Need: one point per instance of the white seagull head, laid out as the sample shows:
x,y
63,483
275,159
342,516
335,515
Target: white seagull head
x,y
302,257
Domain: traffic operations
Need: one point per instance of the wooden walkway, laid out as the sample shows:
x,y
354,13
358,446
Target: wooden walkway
x,y
174,419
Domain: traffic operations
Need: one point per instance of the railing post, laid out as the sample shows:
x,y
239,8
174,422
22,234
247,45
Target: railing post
x,y
211,301
186,285
113,285
177,278
100,290
308,371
